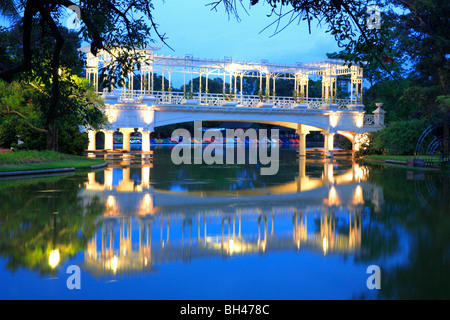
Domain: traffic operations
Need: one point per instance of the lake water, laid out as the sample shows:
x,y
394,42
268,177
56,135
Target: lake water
x,y
144,229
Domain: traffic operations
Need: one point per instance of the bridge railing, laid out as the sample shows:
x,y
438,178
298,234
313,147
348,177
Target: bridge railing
x,y
215,99
369,120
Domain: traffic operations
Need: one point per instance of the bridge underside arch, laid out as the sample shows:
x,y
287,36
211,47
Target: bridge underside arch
x,y
290,125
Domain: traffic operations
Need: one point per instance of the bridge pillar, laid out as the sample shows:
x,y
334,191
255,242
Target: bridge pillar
x,y
329,144
355,146
91,135
145,140
109,141
302,144
302,140
126,137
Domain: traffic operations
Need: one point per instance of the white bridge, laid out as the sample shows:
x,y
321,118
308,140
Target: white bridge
x,y
147,99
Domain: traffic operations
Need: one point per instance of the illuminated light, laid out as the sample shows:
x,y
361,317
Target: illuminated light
x,y
362,140
333,198
333,119
330,173
110,201
111,116
325,245
263,245
359,173
145,261
232,68
109,179
231,246
149,117
358,196
360,120
113,263
147,204
145,175
53,259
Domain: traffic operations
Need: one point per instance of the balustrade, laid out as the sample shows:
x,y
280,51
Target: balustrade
x,y
214,99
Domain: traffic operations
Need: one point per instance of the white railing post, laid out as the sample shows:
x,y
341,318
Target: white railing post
x,y
378,115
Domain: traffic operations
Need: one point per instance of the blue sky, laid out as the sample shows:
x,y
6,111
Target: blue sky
x,y
192,28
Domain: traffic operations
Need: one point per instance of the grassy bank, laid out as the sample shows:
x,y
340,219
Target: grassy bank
x,y
41,160
382,159
390,157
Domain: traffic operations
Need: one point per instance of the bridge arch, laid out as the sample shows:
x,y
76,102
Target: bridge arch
x,y
290,125
303,125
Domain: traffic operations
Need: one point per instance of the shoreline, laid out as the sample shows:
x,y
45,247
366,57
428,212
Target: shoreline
x,y
51,167
398,163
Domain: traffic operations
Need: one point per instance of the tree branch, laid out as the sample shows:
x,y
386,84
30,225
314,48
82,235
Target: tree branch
x,y
30,11
55,64
8,112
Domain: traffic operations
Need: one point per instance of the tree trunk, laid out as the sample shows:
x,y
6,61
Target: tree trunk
x,y
52,138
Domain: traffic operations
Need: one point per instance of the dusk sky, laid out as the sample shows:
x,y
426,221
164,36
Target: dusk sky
x,y
192,28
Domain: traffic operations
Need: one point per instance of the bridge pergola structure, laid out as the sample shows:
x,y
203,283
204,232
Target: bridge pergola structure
x,y
137,105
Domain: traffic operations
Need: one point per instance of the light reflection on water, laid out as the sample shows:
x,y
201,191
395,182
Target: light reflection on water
x,y
308,232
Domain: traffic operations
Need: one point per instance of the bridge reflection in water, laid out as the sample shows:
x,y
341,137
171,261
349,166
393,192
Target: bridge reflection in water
x,y
144,227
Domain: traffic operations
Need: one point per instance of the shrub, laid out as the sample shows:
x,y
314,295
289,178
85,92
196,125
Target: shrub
x,y
400,137
368,146
8,134
72,141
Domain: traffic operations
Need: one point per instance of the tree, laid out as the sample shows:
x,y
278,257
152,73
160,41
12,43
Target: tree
x,y
25,101
34,225
423,35
105,24
413,34
346,20
23,107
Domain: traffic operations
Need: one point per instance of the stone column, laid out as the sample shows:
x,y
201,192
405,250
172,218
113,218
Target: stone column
x,y
329,144
302,144
302,140
126,137
355,147
91,135
145,141
109,141
378,115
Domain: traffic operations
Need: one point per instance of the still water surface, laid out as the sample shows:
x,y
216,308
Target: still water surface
x,y
144,229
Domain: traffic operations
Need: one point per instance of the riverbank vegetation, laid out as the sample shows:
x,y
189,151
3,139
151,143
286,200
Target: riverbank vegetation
x,y
42,160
